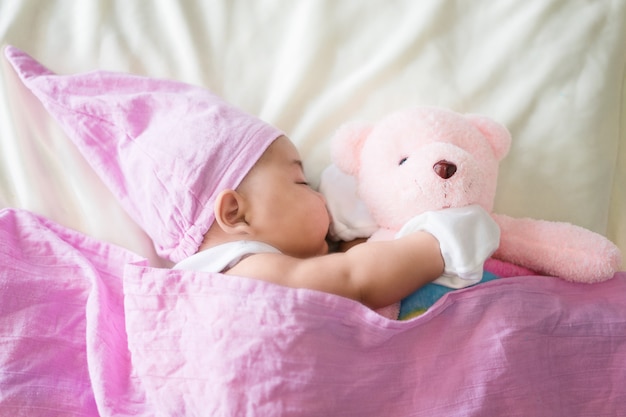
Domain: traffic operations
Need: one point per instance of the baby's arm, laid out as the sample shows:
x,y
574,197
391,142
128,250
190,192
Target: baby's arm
x,y
377,274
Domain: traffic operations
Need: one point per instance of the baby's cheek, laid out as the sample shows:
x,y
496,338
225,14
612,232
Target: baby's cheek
x,y
320,218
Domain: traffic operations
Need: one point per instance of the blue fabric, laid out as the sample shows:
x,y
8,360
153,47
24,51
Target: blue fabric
x,y
422,299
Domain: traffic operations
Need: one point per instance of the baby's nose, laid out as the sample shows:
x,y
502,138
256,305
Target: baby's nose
x,y
444,169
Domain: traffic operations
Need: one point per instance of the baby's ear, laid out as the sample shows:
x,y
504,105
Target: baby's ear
x,y
346,146
497,134
230,212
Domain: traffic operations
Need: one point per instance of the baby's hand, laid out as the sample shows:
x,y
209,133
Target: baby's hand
x,y
467,237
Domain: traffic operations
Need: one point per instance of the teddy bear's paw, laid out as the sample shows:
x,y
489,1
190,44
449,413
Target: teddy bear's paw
x,y
558,249
596,265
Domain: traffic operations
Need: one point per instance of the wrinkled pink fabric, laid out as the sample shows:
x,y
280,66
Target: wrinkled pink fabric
x,y
164,148
63,348
88,329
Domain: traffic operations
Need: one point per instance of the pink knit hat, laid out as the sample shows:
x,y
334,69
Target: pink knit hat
x,y
164,148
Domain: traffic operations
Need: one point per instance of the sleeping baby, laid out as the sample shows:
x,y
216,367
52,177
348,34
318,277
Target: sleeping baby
x,y
219,190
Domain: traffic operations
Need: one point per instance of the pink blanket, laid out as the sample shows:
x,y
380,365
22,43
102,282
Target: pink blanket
x,y
88,329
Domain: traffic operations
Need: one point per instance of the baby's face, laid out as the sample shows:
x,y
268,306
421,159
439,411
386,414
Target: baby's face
x,y
286,212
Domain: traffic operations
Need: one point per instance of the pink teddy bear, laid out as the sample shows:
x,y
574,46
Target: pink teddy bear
x,y
427,158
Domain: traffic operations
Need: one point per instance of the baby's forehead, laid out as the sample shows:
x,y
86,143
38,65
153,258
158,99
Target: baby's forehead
x,y
281,154
283,151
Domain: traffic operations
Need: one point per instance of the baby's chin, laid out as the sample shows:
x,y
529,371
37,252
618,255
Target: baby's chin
x,y
310,251
324,248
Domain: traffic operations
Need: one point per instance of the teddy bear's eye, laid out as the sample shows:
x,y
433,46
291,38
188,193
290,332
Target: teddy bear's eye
x,y
403,160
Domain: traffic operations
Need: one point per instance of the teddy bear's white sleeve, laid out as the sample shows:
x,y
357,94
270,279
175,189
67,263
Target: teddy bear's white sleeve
x,y
467,237
350,217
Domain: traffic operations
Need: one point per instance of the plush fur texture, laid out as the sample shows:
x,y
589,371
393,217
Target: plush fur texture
x,y
429,158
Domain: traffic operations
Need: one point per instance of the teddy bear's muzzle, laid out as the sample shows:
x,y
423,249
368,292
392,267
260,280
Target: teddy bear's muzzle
x,y
444,169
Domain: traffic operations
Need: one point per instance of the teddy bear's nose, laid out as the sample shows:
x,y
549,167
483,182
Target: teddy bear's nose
x,y
444,169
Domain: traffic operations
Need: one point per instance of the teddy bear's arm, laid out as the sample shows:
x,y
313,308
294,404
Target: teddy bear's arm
x,y
557,248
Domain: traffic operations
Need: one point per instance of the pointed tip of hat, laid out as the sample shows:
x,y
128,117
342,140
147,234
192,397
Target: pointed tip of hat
x,y
124,135
25,65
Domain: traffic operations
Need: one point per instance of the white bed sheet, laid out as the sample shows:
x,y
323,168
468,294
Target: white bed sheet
x,y
552,71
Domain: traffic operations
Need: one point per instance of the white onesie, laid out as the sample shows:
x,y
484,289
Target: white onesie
x,y
223,257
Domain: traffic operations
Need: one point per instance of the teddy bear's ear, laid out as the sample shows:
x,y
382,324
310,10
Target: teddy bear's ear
x,y
346,146
499,137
